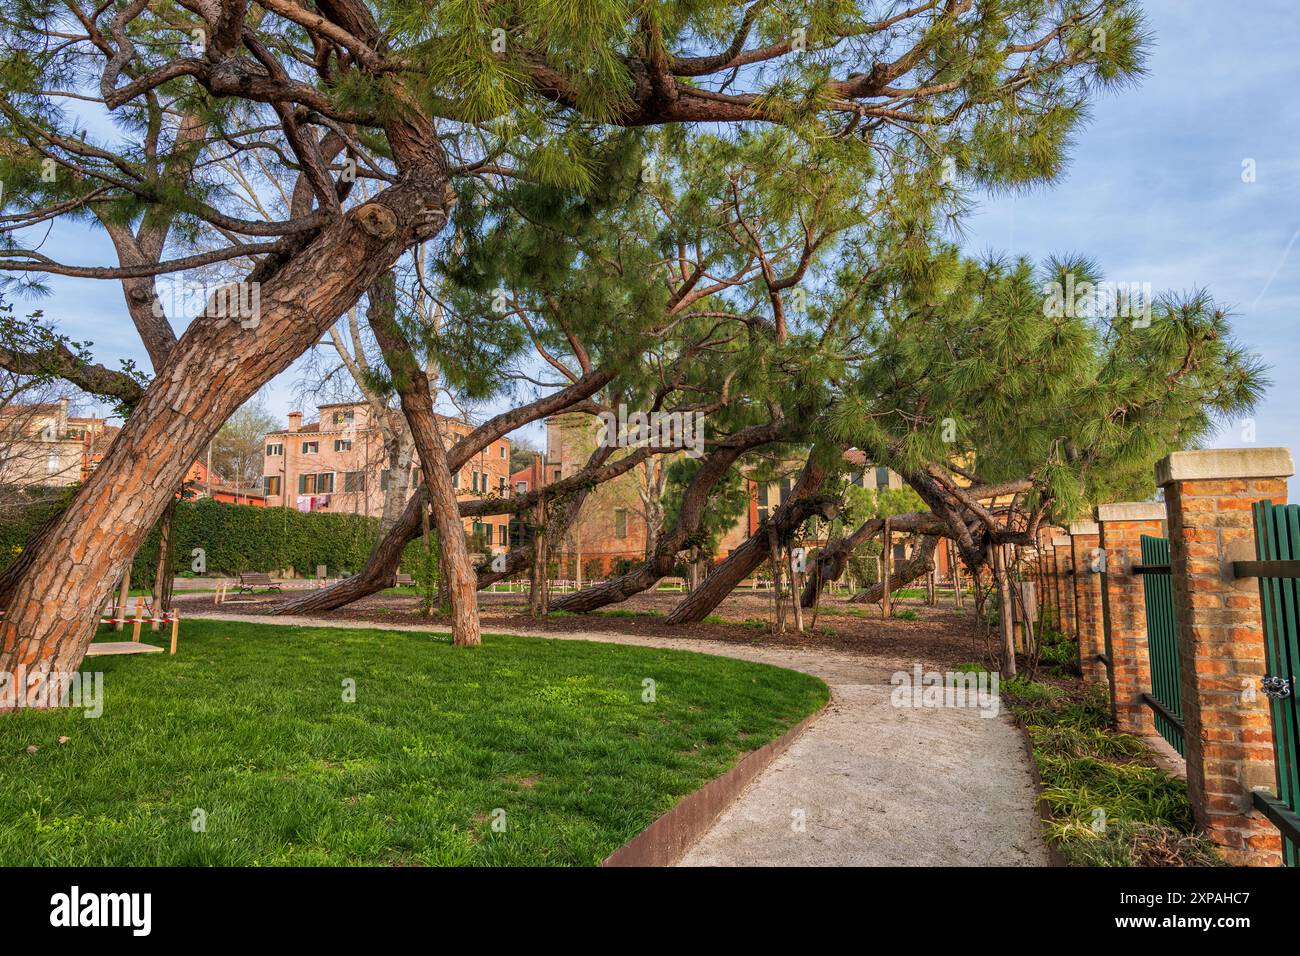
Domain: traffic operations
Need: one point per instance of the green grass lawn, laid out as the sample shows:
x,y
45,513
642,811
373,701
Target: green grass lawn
x,y
249,725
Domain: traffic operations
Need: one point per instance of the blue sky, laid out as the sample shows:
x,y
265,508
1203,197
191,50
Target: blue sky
x,y
1154,194
1155,191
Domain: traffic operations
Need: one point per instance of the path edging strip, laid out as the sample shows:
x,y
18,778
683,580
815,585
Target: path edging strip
x,y
1045,817
667,839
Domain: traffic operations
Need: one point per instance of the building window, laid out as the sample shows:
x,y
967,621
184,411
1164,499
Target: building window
x,y
503,452
473,475
487,530
310,447
273,450
354,481
340,417
342,444
271,484
455,480
322,484
501,486
882,477
521,487
620,522
504,535
52,462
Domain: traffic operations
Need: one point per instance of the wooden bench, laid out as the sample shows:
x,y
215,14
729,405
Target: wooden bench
x,y
256,579
403,580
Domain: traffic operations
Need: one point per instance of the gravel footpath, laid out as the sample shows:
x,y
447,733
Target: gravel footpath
x,y
867,784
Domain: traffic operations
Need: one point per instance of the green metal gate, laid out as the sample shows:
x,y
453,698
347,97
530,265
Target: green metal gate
x,y
1277,539
1162,640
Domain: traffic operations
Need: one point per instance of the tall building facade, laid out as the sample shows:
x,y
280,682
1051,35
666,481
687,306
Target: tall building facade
x,y
338,464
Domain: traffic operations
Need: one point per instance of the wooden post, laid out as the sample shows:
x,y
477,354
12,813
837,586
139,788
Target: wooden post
x,y
139,613
794,591
958,596
122,597
1123,609
176,622
888,566
1005,625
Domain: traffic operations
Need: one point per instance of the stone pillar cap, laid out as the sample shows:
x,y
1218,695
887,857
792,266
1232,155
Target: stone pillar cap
x,y
1084,527
1132,511
1060,542
1210,464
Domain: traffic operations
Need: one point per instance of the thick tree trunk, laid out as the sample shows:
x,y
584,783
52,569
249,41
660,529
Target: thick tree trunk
x,y
412,388
397,487
218,364
804,502
539,590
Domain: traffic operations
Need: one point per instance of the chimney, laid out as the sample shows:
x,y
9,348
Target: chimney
x,y
295,421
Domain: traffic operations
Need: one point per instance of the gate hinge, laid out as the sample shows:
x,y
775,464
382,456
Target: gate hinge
x,y
1276,688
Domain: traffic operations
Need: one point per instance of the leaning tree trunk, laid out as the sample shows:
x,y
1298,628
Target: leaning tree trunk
x,y
521,559
412,387
803,503
902,574
215,367
695,499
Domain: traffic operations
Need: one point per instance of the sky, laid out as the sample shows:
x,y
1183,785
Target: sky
x,y
1156,192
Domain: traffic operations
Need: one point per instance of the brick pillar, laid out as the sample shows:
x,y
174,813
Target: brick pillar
x,y
1064,588
1085,544
1049,577
1221,639
1123,608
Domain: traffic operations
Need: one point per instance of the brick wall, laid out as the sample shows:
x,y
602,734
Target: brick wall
x,y
1124,608
1085,545
1221,639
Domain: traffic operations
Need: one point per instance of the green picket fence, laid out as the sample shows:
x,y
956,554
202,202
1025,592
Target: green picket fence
x,y
1277,539
1165,698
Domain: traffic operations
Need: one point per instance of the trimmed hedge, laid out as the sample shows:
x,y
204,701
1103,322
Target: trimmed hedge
x,y
234,538
31,508
239,538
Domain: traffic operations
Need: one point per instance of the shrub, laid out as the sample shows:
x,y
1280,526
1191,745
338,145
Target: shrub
x,y
237,538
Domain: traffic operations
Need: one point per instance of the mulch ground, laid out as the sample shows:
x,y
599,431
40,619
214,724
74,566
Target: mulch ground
x,y
941,636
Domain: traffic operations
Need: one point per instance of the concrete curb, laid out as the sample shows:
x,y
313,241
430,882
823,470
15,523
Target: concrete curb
x,y
667,839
